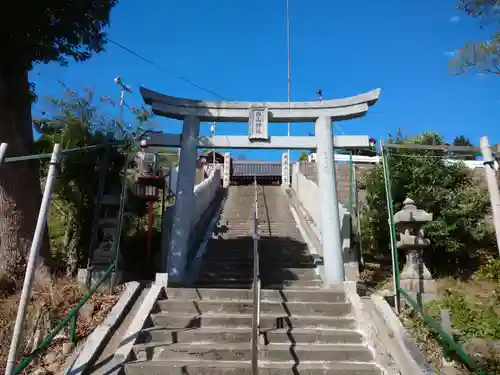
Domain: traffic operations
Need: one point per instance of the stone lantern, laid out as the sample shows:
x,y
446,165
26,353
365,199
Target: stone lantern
x,y
415,278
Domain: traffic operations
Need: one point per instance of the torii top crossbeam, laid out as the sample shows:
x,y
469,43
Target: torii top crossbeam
x,y
229,111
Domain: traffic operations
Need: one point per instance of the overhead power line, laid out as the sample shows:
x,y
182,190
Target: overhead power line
x,y
165,70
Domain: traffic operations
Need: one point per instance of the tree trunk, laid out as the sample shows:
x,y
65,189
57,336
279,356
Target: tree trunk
x,y
19,181
70,245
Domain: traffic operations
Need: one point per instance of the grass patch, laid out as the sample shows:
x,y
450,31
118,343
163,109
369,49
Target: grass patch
x,y
52,299
474,306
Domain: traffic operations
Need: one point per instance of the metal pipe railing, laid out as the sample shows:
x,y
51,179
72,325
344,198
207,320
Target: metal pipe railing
x,y
32,259
255,286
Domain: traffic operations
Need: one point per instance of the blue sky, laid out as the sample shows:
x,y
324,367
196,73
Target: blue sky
x,y
238,50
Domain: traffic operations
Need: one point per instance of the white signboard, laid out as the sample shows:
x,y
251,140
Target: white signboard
x,y
226,170
257,123
285,170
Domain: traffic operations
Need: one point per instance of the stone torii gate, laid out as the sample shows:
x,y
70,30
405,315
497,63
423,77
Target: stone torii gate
x,y
258,115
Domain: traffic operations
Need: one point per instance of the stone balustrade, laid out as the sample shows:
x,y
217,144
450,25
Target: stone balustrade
x,y
307,193
203,194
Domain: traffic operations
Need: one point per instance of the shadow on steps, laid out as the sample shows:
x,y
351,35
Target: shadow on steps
x,y
284,262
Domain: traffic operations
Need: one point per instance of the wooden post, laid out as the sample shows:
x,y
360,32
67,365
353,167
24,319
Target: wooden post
x,y
446,326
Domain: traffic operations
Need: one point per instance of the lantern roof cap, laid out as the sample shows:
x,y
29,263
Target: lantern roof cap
x,y
411,214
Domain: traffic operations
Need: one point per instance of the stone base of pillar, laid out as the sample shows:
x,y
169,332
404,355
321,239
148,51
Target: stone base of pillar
x,y
351,266
351,271
84,276
161,279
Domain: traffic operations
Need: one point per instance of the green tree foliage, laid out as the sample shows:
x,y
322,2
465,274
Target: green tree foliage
x,y
464,141
52,30
480,56
76,123
303,156
30,33
426,138
461,140
450,191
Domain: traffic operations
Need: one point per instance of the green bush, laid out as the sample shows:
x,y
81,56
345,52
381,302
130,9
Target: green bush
x,y
456,199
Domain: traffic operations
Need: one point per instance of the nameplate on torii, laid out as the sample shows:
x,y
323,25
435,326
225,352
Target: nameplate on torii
x,y
258,123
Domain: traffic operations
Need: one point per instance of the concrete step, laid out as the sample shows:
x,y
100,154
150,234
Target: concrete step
x,y
271,283
291,238
230,246
247,271
263,251
206,367
270,256
247,285
216,285
274,232
227,226
275,258
265,238
267,321
274,336
262,221
210,272
289,295
246,307
204,334
312,336
295,273
221,264
311,352
243,352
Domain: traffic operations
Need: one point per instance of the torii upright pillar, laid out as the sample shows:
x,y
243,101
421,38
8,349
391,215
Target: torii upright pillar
x,y
330,220
184,202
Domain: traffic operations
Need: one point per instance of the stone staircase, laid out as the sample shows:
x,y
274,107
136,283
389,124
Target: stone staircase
x,y
206,328
284,258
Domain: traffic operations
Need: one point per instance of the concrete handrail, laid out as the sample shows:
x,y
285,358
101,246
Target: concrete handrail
x,y
255,287
3,151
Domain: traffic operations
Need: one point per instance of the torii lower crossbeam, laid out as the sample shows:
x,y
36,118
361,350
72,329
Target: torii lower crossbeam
x,y
274,142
